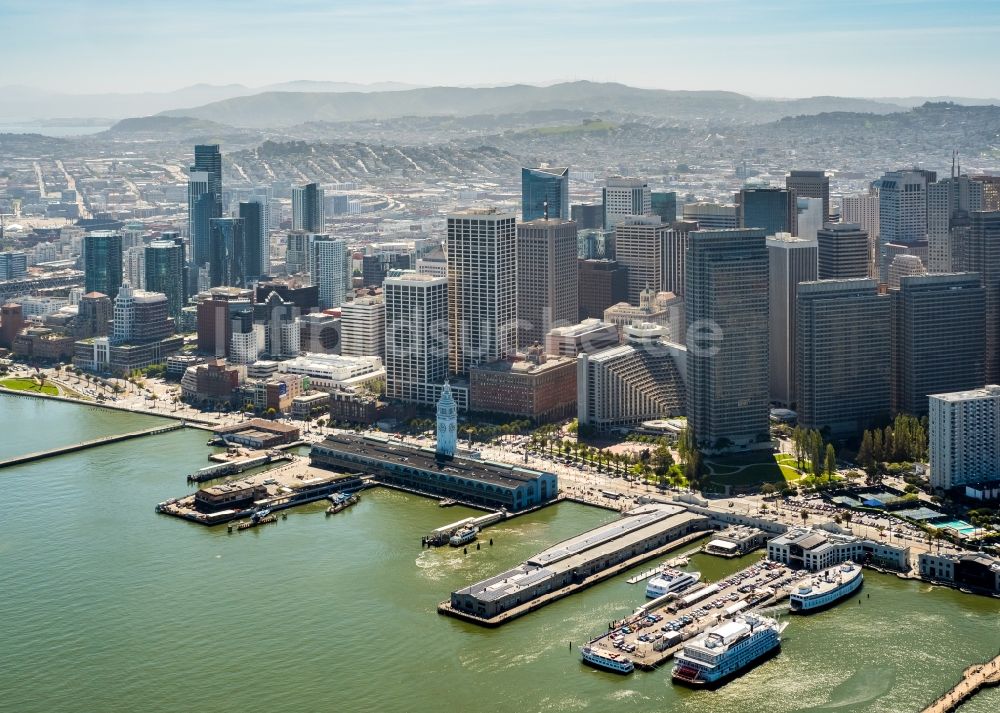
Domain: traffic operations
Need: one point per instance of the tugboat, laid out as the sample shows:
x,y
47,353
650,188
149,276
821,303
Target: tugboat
x,y
463,536
341,501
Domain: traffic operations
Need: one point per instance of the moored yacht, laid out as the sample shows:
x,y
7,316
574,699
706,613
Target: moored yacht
x,y
670,581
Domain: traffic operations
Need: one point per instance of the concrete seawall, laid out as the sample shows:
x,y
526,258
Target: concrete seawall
x,y
205,423
83,445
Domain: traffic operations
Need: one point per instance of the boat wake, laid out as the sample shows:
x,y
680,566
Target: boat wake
x,y
863,687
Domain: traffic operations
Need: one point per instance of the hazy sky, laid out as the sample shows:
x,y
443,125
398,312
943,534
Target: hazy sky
x,y
763,47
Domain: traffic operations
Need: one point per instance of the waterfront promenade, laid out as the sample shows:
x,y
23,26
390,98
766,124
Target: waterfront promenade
x,y
973,678
84,445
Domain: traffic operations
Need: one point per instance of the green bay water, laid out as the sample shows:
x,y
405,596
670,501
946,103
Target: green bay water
x,y
108,606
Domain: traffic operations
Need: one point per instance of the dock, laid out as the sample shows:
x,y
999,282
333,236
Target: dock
x,y
660,622
441,535
233,467
678,561
84,445
973,678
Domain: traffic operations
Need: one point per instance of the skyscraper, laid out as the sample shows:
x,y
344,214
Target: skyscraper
x,y
841,355
950,203
726,298
13,265
164,273
639,242
544,193
711,216
843,252
134,266
256,260
362,324
482,287
625,197
602,283
416,336
791,260
937,340
308,208
297,252
664,204
902,214
982,255
964,437
901,266
587,216
330,267
227,253
204,199
547,290
773,210
811,184
675,245
102,262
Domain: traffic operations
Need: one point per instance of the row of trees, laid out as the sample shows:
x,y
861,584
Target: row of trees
x,y
905,441
811,451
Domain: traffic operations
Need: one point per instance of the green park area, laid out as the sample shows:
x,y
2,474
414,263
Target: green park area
x,y
749,469
25,384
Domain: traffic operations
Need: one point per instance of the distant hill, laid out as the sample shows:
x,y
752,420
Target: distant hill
x,y
22,103
283,109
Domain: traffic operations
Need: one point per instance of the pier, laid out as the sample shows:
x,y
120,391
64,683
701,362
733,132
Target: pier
x,y
84,445
657,629
973,678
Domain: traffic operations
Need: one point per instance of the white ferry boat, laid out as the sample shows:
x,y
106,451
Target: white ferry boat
x,y
725,650
826,588
463,536
670,581
608,661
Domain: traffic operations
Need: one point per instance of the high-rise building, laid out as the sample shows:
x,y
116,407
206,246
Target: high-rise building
x,y
811,184
94,315
711,216
991,191
214,318
638,381
416,336
901,266
256,261
102,262
664,204
482,287
140,317
297,252
843,252
674,247
544,193
163,267
639,243
320,333
726,298
362,322
981,254
276,321
950,203
624,197
134,266
11,323
601,283
772,210
841,355
791,260
937,340
964,437
13,265
204,199
587,216
808,217
902,214
227,253
308,208
330,267
547,288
